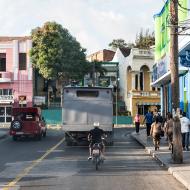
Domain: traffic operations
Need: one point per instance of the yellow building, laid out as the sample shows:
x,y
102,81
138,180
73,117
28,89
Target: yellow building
x,y
135,73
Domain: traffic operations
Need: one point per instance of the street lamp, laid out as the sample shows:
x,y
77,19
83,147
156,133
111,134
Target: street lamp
x,y
117,82
116,113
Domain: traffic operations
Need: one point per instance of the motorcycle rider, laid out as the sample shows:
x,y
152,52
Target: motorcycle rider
x,y
95,136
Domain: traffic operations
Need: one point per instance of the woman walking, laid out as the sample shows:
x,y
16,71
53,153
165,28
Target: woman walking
x,y
155,132
137,123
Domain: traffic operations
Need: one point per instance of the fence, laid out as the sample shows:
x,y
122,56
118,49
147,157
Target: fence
x,y
54,116
123,120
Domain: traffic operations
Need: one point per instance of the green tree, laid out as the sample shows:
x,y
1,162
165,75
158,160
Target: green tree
x,y
56,54
120,43
144,40
95,68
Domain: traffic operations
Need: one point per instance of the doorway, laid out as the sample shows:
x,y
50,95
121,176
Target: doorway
x,y
5,114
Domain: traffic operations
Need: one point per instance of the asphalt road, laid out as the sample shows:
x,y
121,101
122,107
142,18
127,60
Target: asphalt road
x,y
50,164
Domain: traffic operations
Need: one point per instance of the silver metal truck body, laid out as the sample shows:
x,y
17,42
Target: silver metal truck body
x,y
82,106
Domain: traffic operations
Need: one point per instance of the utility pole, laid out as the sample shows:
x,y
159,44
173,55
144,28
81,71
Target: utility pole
x,y
177,152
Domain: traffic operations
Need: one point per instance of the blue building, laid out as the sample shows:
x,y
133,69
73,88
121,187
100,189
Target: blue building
x,y
161,70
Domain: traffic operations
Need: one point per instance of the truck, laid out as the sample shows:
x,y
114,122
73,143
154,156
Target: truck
x,y
84,106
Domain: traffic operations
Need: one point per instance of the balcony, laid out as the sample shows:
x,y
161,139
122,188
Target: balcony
x,y
143,53
135,93
5,77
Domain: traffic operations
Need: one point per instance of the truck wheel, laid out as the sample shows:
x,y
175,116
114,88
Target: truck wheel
x,y
44,134
109,138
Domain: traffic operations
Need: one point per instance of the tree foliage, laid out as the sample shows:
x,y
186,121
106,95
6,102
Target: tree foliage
x,y
119,43
96,66
144,39
56,53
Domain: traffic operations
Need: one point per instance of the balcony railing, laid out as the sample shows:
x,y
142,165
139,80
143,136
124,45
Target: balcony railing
x,y
142,52
5,77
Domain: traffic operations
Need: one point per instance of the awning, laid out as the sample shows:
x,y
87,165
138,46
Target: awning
x,y
148,103
167,77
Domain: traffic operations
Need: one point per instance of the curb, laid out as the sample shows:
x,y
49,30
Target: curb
x,y
172,171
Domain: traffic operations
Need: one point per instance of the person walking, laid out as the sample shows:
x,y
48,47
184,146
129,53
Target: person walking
x,y
185,124
149,119
155,132
169,130
137,122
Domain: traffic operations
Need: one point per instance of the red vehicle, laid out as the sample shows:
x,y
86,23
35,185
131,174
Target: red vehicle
x,y
27,122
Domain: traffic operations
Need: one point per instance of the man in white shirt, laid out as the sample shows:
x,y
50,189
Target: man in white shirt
x,y
185,124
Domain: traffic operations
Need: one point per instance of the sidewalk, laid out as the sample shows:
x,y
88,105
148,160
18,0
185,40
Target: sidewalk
x,y
180,171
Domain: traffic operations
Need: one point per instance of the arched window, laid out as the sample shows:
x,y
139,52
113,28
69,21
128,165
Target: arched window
x,y
141,80
136,82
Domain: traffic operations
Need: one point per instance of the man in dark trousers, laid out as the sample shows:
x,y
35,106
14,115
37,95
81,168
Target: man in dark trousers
x,y
95,136
149,118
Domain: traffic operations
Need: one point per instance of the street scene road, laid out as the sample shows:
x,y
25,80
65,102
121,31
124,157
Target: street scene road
x,y
29,164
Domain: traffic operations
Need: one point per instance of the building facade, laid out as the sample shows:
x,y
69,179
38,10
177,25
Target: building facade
x,y
16,75
135,73
104,55
161,69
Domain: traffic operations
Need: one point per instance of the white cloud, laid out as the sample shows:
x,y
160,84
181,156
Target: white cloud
x,y
95,23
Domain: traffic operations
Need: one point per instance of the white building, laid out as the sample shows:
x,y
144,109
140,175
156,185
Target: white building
x,y
135,73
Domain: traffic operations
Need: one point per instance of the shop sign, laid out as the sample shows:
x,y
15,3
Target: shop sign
x,y
22,100
162,67
39,100
6,99
184,60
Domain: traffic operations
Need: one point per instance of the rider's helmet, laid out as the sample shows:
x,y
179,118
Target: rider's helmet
x,y
96,124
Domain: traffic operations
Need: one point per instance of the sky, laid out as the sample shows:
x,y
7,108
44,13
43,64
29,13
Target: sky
x,y
94,23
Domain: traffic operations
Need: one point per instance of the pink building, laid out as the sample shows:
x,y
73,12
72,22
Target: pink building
x,y
16,77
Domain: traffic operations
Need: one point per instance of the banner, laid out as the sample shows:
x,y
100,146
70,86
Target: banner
x,y
162,28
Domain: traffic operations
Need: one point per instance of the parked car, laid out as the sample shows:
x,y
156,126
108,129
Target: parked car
x,y
27,122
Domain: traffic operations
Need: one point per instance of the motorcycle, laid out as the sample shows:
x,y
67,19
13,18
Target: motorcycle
x,y
96,155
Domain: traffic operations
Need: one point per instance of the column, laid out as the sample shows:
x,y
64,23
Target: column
x,y
29,63
15,59
139,81
150,76
133,80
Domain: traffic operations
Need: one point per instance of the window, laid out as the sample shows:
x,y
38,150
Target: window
x,y
22,61
136,82
143,109
87,93
141,81
153,88
184,81
2,61
6,92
